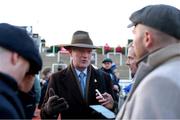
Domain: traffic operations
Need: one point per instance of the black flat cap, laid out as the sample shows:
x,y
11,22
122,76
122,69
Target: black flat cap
x,y
16,39
164,18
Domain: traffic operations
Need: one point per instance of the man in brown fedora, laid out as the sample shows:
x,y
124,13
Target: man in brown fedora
x,y
77,84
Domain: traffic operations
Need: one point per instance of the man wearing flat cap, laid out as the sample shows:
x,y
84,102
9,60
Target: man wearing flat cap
x,y
76,84
20,61
156,91
107,67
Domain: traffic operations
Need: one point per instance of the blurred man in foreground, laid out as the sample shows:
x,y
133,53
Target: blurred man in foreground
x,y
20,61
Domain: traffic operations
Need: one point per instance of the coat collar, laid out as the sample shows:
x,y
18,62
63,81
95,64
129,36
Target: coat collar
x,y
153,60
9,80
76,83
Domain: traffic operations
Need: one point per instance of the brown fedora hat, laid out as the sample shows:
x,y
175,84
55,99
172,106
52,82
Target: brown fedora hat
x,y
80,39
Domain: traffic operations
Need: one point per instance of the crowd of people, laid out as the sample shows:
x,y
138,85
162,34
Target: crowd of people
x,y
153,59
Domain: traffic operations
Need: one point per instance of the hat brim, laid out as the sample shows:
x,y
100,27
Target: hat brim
x,y
131,25
106,61
79,45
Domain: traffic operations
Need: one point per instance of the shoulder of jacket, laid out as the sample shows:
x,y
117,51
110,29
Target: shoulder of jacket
x,y
61,73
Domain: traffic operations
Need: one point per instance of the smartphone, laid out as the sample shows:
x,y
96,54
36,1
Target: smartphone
x,y
97,91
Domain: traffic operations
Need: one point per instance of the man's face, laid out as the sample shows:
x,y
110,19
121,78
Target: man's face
x,y
107,65
131,60
81,57
24,67
27,80
139,41
27,83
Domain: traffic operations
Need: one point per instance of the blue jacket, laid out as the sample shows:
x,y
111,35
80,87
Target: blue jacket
x,y
10,105
127,88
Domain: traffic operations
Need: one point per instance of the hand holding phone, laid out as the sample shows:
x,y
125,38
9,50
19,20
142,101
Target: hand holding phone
x,y
97,91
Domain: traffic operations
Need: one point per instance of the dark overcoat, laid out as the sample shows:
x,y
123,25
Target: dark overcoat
x,y
66,84
10,104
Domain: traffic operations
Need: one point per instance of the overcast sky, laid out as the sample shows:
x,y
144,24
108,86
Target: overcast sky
x,y
56,20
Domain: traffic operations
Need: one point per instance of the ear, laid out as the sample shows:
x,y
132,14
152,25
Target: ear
x,y
70,51
14,58
148,41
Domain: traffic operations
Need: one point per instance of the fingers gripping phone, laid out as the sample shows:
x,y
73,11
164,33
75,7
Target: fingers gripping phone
x,y
97,91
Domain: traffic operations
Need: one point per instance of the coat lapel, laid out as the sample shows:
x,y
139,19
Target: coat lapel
x,y
74,84
87,83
